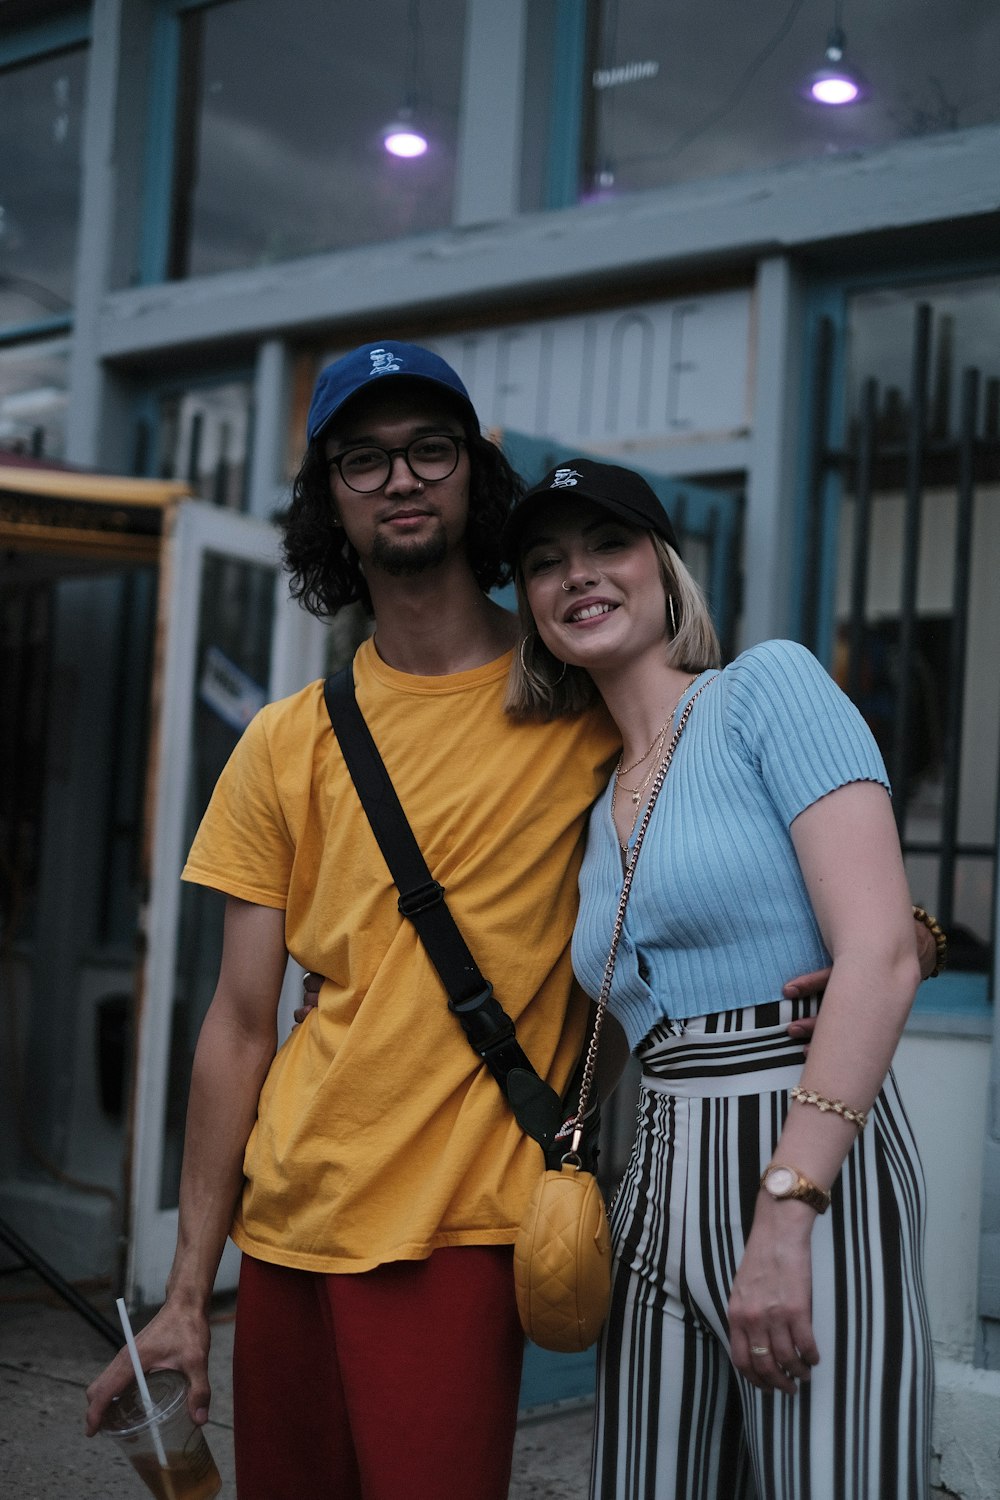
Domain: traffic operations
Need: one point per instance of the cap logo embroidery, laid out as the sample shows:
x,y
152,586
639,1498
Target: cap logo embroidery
x,y
383,362
565,479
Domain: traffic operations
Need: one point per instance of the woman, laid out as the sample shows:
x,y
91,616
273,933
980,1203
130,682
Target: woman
x,y
768,1333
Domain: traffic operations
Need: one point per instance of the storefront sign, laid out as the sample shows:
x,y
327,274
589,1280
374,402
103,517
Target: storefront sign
x,y
655,372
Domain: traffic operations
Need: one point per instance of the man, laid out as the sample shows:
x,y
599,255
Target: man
x,y
378,1175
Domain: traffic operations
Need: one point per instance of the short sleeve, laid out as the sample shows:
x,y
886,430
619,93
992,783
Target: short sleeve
x,y
791,721
243,846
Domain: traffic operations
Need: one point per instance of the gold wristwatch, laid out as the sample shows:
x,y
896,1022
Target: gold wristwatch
x,y
787,1182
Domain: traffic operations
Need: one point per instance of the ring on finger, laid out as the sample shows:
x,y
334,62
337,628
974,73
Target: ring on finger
x,y
759,1349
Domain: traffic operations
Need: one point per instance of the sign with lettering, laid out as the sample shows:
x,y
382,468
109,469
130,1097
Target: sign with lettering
x,y
655,372
228,691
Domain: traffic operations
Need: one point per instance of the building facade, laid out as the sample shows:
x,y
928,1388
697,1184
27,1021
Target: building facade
x,y
636,235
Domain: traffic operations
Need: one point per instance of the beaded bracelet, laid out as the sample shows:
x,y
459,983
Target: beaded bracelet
x,y
937,933
856,1117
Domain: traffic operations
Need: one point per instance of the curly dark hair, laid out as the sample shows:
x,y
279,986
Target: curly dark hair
x,y
324,567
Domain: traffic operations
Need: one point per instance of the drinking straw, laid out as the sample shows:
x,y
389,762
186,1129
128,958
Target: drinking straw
x,y
140,1380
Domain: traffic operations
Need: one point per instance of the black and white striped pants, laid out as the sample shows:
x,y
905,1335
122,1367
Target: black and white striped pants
x,y
674,1420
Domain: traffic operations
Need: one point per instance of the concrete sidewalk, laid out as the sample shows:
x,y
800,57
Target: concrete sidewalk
x,y
49,1354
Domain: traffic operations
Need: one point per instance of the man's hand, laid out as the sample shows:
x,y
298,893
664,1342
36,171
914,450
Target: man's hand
x,y
815,983
311,984
801,988
926,950
173,1340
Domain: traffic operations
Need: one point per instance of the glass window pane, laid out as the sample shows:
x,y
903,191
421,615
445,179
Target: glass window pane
x,y
948,764
25,652
713,89
235,619
34,381
204,439
283,111
41,107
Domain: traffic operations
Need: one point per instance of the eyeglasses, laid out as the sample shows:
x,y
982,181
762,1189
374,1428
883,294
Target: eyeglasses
x,y
366,469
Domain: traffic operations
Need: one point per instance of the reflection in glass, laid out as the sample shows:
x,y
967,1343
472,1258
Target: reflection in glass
x,y
946,771
204,439
699,91
34,381
235,617
283,111
41,105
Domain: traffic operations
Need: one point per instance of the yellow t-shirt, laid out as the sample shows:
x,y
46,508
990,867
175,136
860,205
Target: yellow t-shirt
x,y
380,1135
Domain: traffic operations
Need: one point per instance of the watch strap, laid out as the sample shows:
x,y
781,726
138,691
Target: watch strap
x,y
804,1189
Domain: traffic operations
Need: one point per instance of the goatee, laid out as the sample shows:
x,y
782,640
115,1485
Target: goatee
x,y
403,559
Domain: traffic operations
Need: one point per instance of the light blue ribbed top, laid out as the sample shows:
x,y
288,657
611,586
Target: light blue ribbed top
x,y
719,917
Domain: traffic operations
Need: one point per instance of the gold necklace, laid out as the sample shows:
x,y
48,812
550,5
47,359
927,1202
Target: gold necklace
x,y
636,792
660,736
658,739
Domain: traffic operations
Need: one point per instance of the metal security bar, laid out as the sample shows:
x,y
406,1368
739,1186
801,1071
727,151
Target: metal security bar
x,y
901,447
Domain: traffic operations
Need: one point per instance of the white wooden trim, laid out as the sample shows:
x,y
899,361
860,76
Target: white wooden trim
x,y
199,529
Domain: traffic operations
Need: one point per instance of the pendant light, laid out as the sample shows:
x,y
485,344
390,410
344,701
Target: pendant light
x,y
403,137
835,83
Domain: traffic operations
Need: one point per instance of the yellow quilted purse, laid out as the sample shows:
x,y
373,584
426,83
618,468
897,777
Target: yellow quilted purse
x,y
562,1254
562,1260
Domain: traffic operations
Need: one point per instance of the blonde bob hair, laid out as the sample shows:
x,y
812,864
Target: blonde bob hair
x,y
540,686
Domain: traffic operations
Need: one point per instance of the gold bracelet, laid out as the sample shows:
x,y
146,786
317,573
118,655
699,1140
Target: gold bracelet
x,y
937,933
856,1117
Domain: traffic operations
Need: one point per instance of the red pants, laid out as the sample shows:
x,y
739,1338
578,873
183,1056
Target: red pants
x,y
401,1381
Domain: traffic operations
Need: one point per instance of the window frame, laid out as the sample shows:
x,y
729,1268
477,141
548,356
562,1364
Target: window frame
x,y
26,45
954,1002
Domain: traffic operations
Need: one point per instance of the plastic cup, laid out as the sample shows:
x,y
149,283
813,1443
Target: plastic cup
x,y
167,1431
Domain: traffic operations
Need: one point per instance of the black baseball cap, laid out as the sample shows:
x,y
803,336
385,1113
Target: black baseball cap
x,y
374,363
621,491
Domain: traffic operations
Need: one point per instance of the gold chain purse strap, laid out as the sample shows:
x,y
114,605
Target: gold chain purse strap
x,y
631,861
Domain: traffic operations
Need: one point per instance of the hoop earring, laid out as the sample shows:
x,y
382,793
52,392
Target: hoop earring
x,y
536,680
673,616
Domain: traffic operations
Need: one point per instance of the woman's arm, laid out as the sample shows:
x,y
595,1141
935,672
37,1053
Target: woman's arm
x,y
849,854
235,1048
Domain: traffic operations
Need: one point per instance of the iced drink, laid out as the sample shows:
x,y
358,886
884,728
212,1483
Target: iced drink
x,y
189,1472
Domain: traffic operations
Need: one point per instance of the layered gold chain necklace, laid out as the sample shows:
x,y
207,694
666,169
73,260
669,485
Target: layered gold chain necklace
x,y
636,792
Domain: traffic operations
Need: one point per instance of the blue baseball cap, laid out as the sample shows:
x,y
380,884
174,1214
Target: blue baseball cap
x,y
337,383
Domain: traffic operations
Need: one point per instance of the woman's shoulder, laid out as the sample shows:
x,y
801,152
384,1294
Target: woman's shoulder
x,y
778,669
769,657
772,684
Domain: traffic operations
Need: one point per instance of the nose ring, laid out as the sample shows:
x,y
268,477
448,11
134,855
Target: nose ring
x,y
566,586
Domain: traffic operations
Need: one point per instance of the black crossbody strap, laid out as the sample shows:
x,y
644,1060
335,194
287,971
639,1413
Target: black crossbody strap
x,y
489,1029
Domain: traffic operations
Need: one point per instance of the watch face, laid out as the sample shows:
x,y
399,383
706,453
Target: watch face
x,y
780,1181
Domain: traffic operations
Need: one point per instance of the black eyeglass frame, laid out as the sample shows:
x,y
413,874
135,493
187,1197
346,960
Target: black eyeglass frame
x,y
390,454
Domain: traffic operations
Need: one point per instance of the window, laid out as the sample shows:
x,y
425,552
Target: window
x,y
34,379
41,109
917,607
281,114
25,647
202,436
710,89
